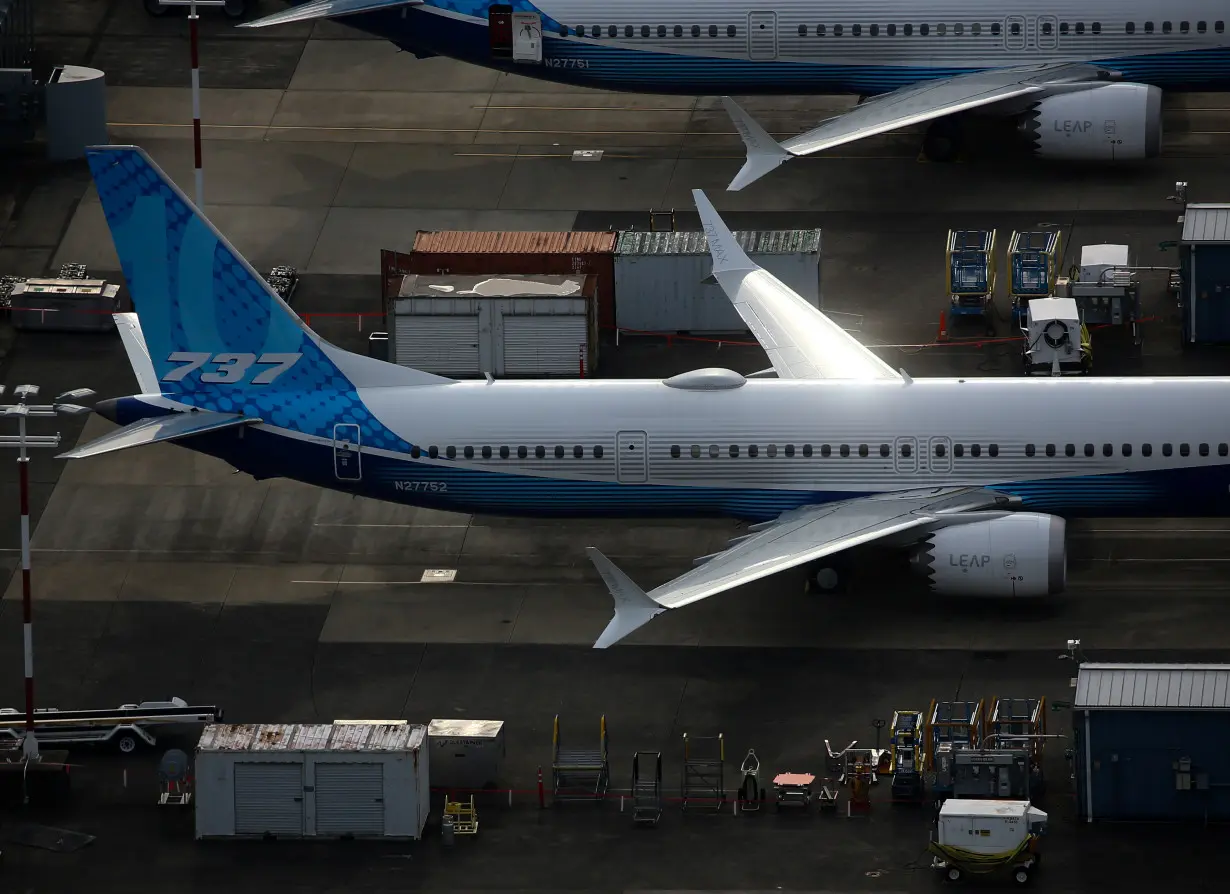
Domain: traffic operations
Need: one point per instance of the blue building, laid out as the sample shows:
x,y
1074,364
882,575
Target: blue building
x,y
1204,265
1150,741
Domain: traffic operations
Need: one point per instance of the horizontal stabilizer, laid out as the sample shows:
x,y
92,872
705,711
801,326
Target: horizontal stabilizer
x,y
764,154
633,606
158,430
326,9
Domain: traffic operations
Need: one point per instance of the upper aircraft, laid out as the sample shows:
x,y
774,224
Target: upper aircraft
x,y
1082,78
971,477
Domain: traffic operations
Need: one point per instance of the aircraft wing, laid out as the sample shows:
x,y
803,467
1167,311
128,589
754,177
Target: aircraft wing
x,y
909,105
797,537
802,343
326,9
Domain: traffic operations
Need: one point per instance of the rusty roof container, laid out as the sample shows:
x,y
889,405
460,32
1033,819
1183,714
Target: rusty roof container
x,y
513,242
363,736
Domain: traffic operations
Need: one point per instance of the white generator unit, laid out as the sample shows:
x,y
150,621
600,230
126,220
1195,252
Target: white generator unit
x,y
977,837
1055,343
1096,260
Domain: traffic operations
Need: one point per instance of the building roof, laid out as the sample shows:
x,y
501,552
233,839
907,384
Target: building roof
x,y
1153,686
360,736
503,285
754,242
513,242
1206,223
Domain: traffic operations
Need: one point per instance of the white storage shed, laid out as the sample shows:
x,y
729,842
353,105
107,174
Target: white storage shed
x,y
517,325
663,280
342,780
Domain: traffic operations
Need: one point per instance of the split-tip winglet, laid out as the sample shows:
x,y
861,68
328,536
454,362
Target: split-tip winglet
x,y
634,608
764,154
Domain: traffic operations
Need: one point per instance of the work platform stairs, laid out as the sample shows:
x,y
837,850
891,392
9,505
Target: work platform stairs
x,y
647,787
580,774
704,771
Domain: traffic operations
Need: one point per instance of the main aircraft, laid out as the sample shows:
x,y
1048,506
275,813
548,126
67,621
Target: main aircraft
x,y
1082,79
971,477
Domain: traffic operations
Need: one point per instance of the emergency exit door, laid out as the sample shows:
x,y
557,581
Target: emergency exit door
x,y
762,36
346,460
631,463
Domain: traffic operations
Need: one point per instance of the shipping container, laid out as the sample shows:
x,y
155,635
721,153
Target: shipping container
x,y
1149,742
466,755
459,252
1204,258
663,280
513,325
340,780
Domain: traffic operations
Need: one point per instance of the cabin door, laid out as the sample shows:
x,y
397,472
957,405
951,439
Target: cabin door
x,y
762,36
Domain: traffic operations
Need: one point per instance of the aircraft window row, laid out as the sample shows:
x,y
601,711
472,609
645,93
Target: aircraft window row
x,y
1184,27
1126,449
647,30
539,452
941,30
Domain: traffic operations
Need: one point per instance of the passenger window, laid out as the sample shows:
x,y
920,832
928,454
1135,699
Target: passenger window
x,y
753,451
976,28
995,29
924,30
1202,27
892,30
1015,28
1184,27
1063,27
578,452
1080,27
486,453
1130,27
819,31
1185,450
1096,27
1108,449
644,30
993,450
906,451
678,31
598,452
503,453
695,451
856,30
802,30
696,30
1069,450
1088,450
1167,449
713,30
415,453
1127,449
1165,27
714,451
1219,27
837,30
1029,449
1146,449
845,450
1050,449
730,30
433,452
580,30
1148,27
1046,27
885,450
790,450
469,453
958,450
674,451
908,30
734,451
661,31
522,453
1204,449
806,450
940,29
627,30
939,450
451,453
612,31
975,450
540,452
772,450
825,450
875,30
1223,449
863,451
958,29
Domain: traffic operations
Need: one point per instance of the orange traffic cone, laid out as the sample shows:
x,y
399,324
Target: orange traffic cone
x,y
943,333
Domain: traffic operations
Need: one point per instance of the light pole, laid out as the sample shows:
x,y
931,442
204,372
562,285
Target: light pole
x,y
23,410
193,19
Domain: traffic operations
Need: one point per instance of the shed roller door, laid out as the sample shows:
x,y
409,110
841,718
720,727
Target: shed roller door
x,y
268,799
544,346
444,345
350,799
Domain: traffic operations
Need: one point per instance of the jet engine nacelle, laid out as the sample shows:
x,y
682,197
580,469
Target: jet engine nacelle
x,y
1116,122
1023,554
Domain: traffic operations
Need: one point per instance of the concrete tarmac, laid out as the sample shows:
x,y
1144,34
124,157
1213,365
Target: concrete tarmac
x,y
162,573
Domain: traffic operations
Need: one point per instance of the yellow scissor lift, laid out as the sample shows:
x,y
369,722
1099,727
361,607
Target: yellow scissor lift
x,y
970,272
1033,268
950,726
906,746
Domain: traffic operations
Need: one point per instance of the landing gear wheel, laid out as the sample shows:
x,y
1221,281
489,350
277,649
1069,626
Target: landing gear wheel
x,y
829,578
942,142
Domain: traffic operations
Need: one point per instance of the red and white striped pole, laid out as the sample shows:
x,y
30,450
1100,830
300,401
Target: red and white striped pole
x,y
29,743
193,19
